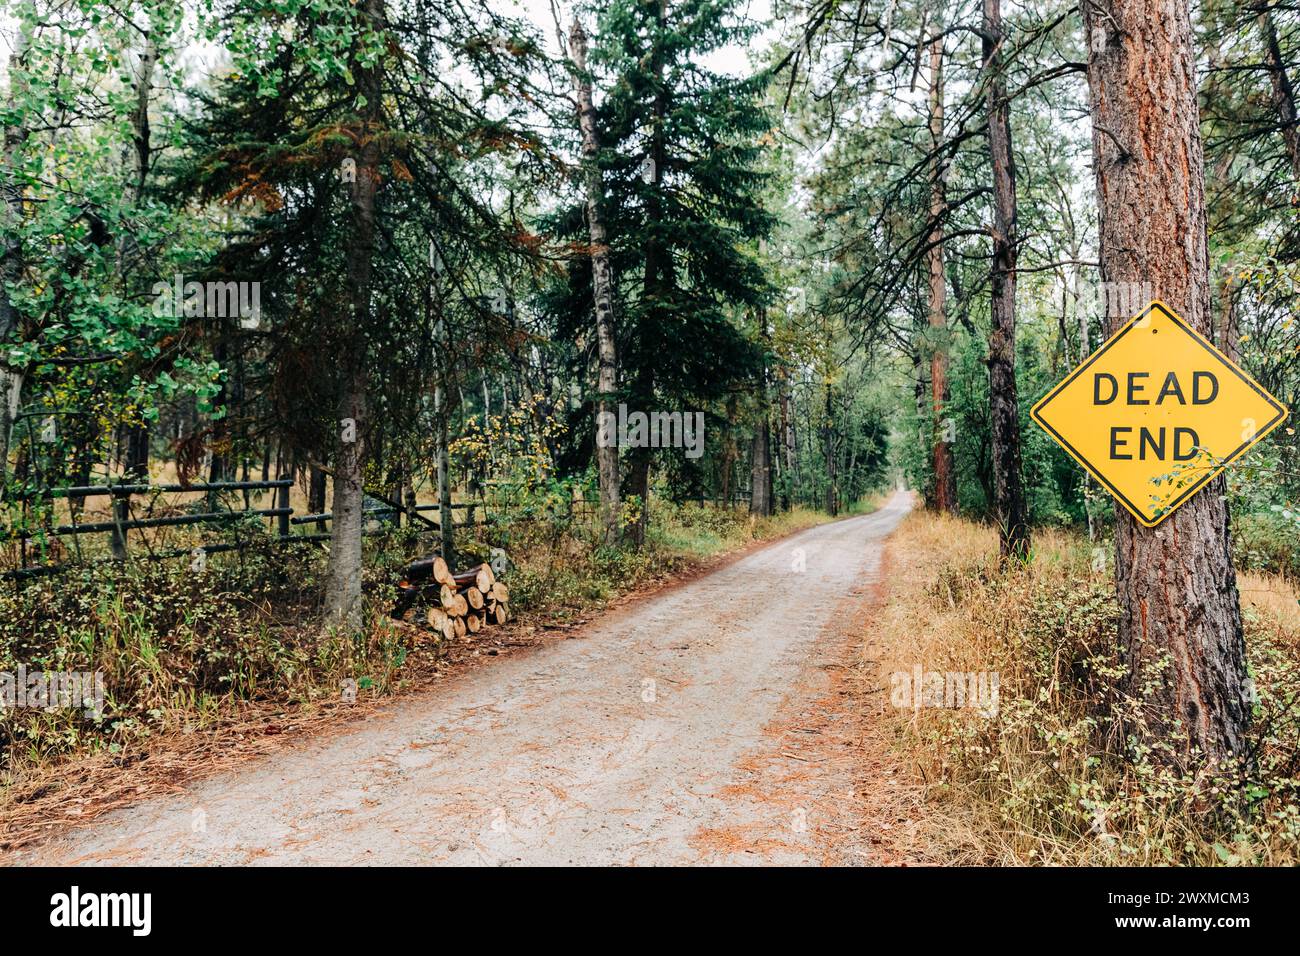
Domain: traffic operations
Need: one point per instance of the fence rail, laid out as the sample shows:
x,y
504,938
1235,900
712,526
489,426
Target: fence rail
x,y
122,522
281,513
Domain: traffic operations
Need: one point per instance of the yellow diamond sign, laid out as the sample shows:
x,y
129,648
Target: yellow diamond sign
x,y
1157,412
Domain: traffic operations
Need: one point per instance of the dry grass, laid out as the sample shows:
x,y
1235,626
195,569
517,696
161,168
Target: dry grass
x,y
1045,780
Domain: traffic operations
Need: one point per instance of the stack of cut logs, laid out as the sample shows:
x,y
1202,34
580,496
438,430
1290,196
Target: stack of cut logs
x,y
466,601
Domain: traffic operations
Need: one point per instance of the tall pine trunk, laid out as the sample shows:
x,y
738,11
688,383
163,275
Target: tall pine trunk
x,y
446,516
944,490
659,280
760,453
602,290
1004,407
787,442
343,589
832,478
1180,619
760,470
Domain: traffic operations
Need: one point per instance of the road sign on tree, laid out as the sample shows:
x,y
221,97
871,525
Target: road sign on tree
x,y
1156,413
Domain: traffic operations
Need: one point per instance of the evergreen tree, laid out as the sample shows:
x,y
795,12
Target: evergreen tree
x,y
365,172
680,152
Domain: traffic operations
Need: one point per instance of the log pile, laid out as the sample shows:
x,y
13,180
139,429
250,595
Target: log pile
x,y
463,603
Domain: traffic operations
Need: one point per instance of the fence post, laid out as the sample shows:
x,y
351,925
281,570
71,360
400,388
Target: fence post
x,y
121,515
282,501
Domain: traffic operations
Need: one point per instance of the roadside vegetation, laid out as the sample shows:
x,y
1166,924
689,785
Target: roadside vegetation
x,y
1060,775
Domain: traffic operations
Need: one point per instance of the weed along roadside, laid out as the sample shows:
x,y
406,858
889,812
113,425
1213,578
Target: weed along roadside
x,y
1044,770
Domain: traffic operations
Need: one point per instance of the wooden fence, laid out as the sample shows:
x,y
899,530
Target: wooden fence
x,y
118,529
281,516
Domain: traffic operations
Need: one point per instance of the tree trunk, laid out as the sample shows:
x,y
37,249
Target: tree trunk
x,y
1087,485
832,498
11,266
602,290
1229,331
1283,92
638,486
1180,618
316,494
760,457
944,491
343,591
446,520
760,484
658,279
1004,407
140,118
137,453
138,435
787,442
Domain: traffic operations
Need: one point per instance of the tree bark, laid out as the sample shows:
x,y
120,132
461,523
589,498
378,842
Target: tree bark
x,y
446,521
343,590
787,442
1283,91
140,118
602,289
138,436
760,457
1008,484
1229,331
1180,619
658,279
944,491
832,496
316,494
11,266
760,471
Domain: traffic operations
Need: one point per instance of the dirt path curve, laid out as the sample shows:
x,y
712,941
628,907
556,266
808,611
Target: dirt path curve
x,y
661,734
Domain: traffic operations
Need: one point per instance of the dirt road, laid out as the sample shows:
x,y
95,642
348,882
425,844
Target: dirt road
x,y
703,725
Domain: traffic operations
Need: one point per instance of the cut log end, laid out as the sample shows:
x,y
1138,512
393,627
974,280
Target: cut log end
x,y
442,574
448,598
442,623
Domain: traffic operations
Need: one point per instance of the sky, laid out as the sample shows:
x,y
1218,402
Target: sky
x,y
733,59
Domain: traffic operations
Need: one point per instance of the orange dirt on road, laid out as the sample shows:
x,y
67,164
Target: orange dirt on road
x,y
710,724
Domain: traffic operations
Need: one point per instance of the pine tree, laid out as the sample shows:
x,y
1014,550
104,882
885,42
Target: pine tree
x,y
680,150
363,169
